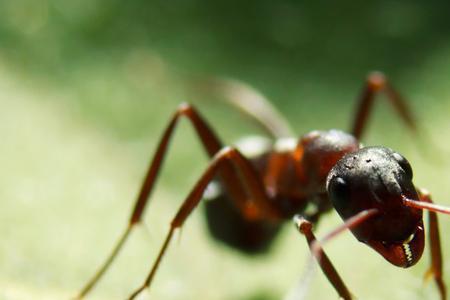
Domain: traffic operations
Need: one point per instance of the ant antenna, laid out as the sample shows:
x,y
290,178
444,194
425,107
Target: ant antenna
x,y
426,205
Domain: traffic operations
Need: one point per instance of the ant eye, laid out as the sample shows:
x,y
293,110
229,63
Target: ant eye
x,y
404,164
338,191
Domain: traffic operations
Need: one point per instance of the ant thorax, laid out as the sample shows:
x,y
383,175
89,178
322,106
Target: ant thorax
x,y
294,171
318,151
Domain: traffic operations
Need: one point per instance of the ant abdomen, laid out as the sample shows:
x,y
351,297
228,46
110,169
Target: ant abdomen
x,y
227,225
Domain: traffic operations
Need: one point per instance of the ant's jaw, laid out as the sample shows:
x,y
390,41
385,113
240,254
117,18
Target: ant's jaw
x,y
404,253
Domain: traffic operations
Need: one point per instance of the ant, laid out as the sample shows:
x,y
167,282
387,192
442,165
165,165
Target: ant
x,y
370,187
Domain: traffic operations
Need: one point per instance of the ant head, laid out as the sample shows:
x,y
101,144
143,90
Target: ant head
x,y
379,178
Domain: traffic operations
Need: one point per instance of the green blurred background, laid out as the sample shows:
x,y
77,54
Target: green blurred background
x,y
87,86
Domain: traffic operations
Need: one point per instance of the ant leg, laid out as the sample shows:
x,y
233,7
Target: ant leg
x,y
435,269
377,82
250,179
305,228
212,145
251,103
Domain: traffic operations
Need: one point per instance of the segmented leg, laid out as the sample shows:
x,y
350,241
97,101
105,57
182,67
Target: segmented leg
x,y
252,103
227,175
242,167
376,83
305,227
435,270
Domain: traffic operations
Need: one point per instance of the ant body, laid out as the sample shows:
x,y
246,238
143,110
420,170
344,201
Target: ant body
x,y
370,187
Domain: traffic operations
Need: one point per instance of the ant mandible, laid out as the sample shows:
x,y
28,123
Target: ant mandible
x,y
370,187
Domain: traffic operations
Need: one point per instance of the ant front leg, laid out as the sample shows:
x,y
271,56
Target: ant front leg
x,y
212,145
251,181
435,269
305,228
376,83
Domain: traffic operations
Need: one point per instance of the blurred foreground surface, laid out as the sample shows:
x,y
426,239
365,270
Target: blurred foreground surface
x,y
87,88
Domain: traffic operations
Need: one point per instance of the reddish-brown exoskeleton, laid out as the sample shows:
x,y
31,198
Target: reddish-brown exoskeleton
x,y
371,188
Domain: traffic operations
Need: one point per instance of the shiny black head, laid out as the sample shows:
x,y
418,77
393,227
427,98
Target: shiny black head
x,y
378,177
